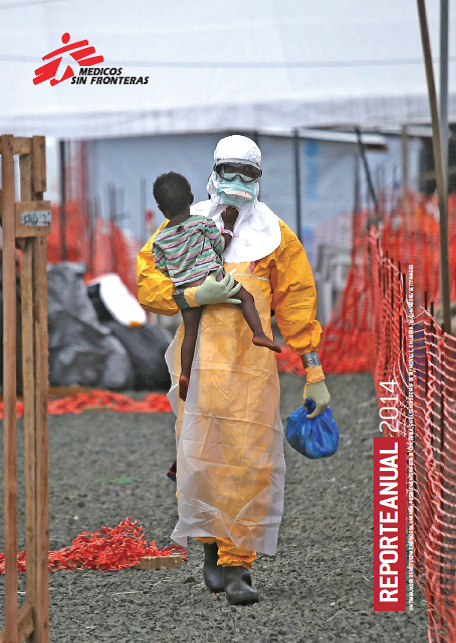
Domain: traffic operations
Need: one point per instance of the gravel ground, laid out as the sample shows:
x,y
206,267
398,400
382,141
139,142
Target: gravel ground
x,y
317,588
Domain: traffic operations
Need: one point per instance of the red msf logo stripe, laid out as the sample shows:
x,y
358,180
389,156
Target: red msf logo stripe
x,y
83,56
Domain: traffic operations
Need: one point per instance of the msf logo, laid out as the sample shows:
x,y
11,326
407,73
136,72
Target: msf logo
x,y
84,56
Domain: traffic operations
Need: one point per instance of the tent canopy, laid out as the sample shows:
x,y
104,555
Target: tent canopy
x,y
214,66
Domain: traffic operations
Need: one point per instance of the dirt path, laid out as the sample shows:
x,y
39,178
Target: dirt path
x,y
107,466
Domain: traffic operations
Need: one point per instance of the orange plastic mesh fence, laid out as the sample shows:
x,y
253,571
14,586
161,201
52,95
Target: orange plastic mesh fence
x,y
99,243
344,344
369,330
434,410
344,339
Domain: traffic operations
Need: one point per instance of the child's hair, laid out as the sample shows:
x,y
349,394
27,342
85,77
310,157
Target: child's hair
x,y
172,192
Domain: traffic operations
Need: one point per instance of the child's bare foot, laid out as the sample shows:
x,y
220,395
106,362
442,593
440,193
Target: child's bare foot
x,y
183,387
263,340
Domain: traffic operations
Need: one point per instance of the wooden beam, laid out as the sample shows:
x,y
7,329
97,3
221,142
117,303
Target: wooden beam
x,y
370,185
22,145
160,562
39,163
28,361
41,634
28,369
24,624
31,622
9,386
443,94
25,172
20,243
63,197
438,159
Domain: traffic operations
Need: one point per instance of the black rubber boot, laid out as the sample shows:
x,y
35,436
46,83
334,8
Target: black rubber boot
x,y
212,573
238,586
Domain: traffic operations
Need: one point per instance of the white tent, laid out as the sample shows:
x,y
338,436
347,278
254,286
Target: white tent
x,y
212,66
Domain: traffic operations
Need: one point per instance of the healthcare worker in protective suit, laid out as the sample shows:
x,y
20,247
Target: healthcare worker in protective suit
x,y
230,462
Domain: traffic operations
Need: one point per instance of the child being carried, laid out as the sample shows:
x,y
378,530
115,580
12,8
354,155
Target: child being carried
x,y
187,250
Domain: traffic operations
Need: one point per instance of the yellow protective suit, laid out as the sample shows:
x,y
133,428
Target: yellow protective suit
x,y
229,435
229,554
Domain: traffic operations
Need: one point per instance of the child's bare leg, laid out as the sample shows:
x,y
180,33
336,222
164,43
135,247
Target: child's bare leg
x,y
191,317
252,317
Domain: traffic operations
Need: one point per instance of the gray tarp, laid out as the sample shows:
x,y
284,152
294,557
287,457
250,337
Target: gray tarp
x,y
81,350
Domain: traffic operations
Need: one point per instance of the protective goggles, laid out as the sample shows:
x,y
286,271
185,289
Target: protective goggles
x,y
229,169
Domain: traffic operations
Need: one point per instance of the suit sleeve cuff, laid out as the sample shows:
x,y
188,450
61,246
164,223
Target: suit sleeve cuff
x,y
314,374
190,296
185,297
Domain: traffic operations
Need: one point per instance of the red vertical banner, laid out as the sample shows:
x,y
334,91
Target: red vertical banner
x,y
390,520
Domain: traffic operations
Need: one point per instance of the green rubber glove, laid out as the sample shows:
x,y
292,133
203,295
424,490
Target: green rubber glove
x,y
217,292
319,394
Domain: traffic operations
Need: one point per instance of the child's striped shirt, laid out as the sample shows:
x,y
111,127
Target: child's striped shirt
x,y
189,251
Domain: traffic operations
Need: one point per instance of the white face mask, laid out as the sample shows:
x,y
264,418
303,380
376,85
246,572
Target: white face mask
x,y
236,192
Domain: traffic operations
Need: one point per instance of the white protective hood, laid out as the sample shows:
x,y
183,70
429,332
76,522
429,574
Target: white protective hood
x,y
257,230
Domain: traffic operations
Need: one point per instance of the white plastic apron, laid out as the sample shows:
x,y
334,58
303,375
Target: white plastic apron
x,y
230,462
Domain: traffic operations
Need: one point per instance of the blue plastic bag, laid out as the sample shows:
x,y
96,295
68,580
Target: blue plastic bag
x,y
314,438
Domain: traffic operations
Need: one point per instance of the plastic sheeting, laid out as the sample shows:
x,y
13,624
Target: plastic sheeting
x,y
146,346
81,350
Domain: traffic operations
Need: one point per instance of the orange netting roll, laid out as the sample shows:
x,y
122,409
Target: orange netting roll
x,y
108,549
99,400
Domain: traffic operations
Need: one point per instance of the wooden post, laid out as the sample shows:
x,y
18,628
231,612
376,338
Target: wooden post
x,y
41,387
41,632
370,185
63,197
438,159
28,357
443,103
28,219
9,386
